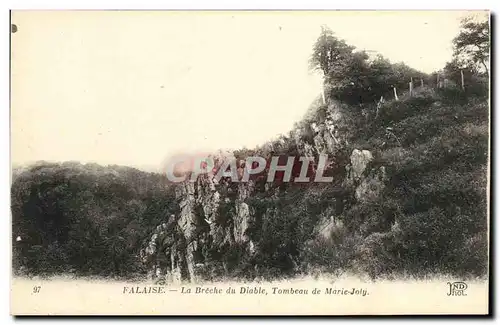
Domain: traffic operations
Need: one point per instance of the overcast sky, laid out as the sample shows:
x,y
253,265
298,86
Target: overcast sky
x,y
132,87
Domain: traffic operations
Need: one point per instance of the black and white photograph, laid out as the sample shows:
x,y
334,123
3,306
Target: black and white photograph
x,y
250,162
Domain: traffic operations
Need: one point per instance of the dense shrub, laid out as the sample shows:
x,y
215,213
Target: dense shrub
x,y
85,219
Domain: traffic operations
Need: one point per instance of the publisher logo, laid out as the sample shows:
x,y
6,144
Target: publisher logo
x,y
457,288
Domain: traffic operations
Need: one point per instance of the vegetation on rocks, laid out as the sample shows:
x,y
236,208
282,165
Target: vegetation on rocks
x,y
409,194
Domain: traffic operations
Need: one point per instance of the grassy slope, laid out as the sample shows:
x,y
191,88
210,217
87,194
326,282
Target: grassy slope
x,y
432,216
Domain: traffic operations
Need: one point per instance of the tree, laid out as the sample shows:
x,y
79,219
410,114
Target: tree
x,y
345,71
86,219
351,76
472,44
328,51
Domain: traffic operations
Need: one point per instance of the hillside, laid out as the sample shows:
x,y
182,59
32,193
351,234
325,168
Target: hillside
x,y
409,161
84,219
409,197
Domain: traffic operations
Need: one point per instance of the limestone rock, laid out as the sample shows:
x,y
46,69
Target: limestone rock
x,y
371,187
176,247
359,161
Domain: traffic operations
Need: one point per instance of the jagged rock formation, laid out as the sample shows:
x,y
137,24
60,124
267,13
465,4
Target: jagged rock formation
x,y
390,204
215,216
359,161
409,185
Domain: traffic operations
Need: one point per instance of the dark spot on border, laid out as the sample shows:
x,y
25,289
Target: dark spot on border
x,y
13,28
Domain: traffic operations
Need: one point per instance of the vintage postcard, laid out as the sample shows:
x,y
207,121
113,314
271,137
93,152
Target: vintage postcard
x,y
250,162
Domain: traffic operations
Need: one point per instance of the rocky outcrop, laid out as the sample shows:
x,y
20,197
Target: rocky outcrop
x,y
164,252
329,133
372,186
359,161
217,215
213,216
366,183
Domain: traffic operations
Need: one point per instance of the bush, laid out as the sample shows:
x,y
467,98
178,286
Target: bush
x,y
85,219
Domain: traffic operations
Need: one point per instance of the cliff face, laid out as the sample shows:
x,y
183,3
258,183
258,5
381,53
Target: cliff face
x,y
405,177
408,197
216,217
212,218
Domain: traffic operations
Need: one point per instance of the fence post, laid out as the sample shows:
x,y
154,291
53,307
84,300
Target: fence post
x,y
437,80
462,75
379,105
395,93
411,88
421,82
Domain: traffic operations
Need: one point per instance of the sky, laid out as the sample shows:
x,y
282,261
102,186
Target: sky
x,y
134,87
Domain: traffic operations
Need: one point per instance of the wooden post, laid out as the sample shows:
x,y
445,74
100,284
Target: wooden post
x,y
323,90
462,75
411,88
437,80
379,105
395,94
421,82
